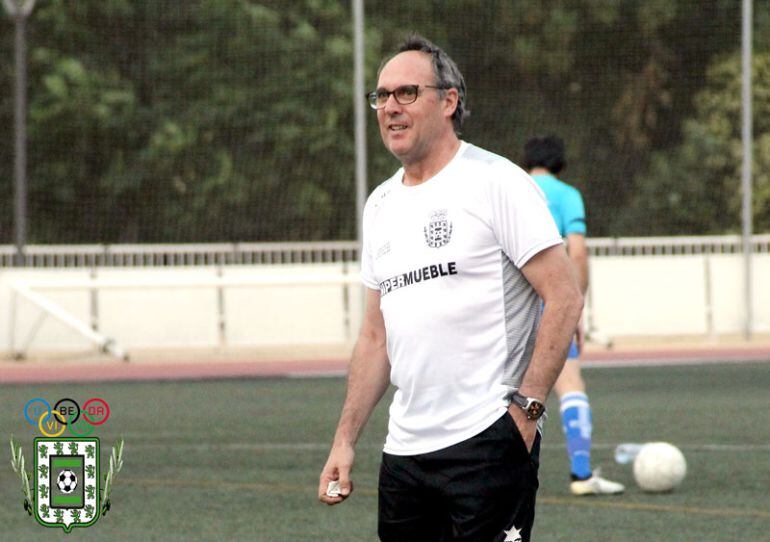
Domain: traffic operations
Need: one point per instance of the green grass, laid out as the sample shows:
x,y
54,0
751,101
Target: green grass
x,y
239,460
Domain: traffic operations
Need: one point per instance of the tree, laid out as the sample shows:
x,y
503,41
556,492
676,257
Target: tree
x,y
231,120
209,120
697,187
614,79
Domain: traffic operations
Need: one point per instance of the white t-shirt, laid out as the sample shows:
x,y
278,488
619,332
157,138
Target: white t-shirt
x,y
460,317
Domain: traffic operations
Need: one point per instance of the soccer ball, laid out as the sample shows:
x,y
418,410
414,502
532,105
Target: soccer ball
x,y
67,481
659,467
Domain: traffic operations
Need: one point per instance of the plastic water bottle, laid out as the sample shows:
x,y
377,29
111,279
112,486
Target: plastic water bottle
x,y
627,452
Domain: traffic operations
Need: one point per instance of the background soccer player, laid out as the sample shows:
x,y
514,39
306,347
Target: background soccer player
x,y
544,157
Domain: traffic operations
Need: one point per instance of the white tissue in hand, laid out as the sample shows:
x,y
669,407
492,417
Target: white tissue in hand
x,y
333,490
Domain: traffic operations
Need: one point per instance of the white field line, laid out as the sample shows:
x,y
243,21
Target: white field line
x,y
332,373
316,446
733,359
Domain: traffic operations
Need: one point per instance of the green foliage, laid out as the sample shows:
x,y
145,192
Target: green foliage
x,y
697,188
166,122
115,466
232,120
614,79
17,464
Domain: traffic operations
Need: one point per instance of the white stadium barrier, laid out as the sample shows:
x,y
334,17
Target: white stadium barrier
x,y
121,297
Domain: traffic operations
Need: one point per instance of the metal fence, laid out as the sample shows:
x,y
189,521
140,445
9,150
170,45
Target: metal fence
x,y
168,255
661,246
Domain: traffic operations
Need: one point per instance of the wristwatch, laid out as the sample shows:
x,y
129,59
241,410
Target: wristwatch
x,y
532,407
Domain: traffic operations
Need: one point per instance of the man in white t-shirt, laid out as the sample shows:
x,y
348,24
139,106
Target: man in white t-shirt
x,y
458,250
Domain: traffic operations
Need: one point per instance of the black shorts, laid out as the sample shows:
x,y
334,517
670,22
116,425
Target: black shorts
x,y
480,490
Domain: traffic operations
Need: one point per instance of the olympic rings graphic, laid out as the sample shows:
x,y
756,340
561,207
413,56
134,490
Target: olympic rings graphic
x,y
32,401
87,432
66,413
45,433
64,421
104,405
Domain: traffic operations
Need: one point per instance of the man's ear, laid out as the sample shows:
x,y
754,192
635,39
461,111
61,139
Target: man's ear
x,y
451,99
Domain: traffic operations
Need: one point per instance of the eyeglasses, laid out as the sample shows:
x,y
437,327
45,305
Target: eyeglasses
x,y
405,95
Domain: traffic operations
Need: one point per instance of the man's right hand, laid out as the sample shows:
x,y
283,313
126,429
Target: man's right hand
x,y
337,468
527,428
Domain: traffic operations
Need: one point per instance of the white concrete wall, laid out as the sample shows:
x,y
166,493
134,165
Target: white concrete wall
x,y
677,295
640,296
187,317
630,295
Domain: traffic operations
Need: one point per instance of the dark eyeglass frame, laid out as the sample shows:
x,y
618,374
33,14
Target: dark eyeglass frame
x,y
372,97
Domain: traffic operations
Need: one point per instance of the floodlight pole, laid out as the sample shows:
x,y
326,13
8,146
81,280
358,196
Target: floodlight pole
x,y
20,10
746,181
360,116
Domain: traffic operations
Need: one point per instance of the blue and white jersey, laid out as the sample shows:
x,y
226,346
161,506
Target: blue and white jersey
x,y
565,204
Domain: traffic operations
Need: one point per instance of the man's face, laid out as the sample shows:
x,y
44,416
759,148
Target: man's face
x,y
409,131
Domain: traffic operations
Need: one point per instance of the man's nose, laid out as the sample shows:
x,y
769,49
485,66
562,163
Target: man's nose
x,y
391,105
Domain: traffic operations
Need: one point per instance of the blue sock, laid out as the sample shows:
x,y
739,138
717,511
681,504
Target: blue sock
x,y
576,423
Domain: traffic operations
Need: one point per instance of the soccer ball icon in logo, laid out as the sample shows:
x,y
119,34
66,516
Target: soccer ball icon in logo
x,y
67,481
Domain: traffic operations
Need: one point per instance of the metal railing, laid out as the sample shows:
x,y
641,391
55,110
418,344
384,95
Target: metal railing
x,y
57,256
169,255
675,245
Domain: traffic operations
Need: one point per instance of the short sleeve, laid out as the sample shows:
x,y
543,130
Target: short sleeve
x,y
367,267
573,213
520,216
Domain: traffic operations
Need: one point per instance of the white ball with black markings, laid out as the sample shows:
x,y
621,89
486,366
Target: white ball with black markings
x,y
67,481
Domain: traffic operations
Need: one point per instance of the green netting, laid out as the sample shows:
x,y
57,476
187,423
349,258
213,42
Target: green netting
x,y
232,120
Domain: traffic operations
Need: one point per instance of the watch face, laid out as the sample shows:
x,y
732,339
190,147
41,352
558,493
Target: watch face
x,y
531,406
535,410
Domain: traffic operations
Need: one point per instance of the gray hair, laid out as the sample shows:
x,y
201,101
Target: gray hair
x,y
447,73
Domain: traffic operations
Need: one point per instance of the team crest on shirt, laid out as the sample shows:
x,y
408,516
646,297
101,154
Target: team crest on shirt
x,y
438,232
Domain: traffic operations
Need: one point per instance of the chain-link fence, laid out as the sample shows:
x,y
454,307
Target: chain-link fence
x,y
232,120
